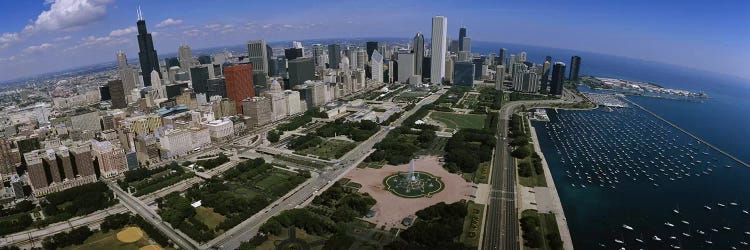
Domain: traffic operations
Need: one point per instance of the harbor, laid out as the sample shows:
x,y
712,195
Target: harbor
x,y
629,159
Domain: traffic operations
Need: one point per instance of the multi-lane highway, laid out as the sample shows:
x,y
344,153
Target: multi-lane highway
x,y
501,221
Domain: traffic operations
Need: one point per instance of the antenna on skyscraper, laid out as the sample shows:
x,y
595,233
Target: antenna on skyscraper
x,y
140,14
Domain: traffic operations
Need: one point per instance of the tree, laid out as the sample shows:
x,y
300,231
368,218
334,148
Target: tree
x,y
521,152
274,135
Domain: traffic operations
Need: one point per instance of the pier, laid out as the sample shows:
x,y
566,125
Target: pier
x,y
690,134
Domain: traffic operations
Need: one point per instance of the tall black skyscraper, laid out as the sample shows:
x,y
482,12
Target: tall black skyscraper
x,y
461,35
147,56
558,78
292,53
418,53
575,66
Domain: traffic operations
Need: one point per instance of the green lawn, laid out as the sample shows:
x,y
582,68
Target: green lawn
x,y
453,120
330,149
472,225
109,241
547,225
535,180
208,217
372,164
269,181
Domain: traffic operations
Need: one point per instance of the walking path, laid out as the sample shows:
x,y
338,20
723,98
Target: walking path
x,y
551,200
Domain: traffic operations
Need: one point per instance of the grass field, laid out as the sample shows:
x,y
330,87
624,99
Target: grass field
x,y
472,225
208,217
109,241
459,120
372,164
269,181
535,180
330,149
547,225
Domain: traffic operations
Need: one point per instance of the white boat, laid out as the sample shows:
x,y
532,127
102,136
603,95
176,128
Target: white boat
x,y
707,207
709,242
639,240
686,234
727,228
685,222
701,232
733,203
619,241
745,212
721,205
669,224
627,227
747,233
656,238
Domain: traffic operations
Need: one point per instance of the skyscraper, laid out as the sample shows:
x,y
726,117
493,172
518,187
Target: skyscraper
x,y
371,46
117,92
200,78
461,35
334,56
466,44
558,78
318,54
376,63
239,80
122,60
418,53
185,56
300,70
292,53
501,56
575,66
258,56
439,30
147,56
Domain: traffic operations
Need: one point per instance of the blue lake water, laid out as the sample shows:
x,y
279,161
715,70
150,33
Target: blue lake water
x,y
611,154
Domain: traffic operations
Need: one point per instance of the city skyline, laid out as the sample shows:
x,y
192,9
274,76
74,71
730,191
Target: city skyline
x,y
91,31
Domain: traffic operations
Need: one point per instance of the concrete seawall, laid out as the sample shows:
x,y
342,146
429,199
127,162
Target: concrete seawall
x,y
689,134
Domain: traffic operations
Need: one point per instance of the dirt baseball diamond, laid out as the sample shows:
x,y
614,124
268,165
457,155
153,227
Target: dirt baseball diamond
x,y
390,208
130,235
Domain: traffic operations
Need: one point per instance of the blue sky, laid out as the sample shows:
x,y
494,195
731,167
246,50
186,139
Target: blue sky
x,y
50,35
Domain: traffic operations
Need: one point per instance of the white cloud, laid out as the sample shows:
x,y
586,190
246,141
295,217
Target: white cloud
x,y
123,32
69,14
63,38
38,48
193,33
168,22
7,38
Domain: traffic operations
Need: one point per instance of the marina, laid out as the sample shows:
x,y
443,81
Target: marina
x,y
628,178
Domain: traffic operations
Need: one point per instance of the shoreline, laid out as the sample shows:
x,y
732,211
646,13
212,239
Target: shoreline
x,y
562,221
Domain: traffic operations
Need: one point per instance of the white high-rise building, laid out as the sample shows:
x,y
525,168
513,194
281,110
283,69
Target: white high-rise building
x,y
376,62
122,60
157,86
522,56
467,44
438,48
258,55
499,77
